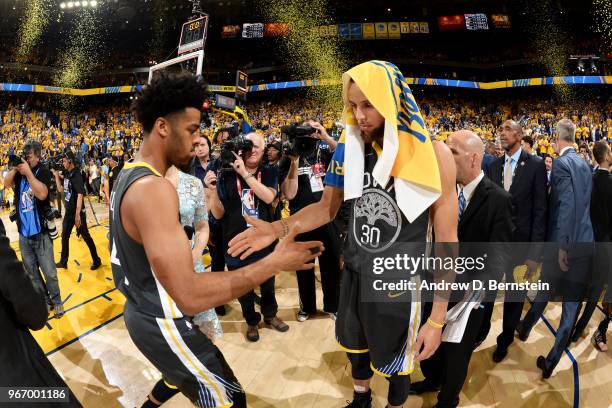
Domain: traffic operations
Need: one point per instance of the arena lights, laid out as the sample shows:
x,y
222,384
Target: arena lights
x,y
75,4
585,63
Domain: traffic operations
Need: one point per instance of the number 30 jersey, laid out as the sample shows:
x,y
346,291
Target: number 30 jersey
x,y
376,223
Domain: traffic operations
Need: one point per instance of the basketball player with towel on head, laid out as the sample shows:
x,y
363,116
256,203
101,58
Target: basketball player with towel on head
x,y
151,257
385,160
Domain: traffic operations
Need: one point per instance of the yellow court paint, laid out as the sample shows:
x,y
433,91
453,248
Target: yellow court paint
x,y
90,297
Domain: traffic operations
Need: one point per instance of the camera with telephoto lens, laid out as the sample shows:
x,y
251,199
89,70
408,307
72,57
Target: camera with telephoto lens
x,y
300,141
15,160
55,162
50,214
238,145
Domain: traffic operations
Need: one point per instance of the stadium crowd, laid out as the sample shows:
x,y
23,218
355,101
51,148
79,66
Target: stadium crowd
x,y
112,131
87,150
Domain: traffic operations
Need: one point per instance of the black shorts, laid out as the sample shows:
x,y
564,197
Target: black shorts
x,y
186,358
385,330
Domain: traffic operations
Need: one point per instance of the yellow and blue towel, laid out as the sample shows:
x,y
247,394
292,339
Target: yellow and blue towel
x,y
407,153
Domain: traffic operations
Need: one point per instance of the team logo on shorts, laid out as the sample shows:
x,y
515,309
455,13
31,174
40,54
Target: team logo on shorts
x,y
378,220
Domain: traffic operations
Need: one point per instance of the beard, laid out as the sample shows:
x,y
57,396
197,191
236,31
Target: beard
x,y
375,135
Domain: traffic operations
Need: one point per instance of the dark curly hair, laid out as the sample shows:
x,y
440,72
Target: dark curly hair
x,y
168,93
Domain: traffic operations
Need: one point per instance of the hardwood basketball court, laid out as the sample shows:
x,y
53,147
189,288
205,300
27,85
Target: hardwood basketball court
x,y
90,347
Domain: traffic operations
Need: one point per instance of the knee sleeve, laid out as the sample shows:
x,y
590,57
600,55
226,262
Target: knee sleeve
x,y
163,391
360,366
398,389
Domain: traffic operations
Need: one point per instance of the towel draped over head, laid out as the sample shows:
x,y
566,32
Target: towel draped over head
x,y
407,153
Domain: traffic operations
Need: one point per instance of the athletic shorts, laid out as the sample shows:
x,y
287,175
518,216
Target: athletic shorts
x,y
385,330
186,358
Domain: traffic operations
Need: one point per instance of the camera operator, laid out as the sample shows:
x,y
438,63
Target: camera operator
x,y
73,188
216,246
247,190
30,181
220,137
303,186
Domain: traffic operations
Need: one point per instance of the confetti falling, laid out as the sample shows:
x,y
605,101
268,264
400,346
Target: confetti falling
x,y
307,53
34,21
602,13
83,52
159,30
550,41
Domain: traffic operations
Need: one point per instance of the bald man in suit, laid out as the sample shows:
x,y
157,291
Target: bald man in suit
x,y
485,215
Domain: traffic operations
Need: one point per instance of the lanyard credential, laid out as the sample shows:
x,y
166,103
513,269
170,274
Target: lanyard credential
x,y
239,186
248,199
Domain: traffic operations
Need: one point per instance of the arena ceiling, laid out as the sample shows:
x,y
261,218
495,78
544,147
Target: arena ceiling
x,y
140,12
128,24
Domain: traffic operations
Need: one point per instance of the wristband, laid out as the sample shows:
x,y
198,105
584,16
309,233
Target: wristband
x,y
434,324
248,176
285,226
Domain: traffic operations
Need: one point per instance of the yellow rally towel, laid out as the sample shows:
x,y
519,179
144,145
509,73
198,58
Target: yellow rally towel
x,y
407,154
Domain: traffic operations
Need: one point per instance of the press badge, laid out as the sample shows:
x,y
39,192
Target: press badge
x,y
27,201
248,204
317,172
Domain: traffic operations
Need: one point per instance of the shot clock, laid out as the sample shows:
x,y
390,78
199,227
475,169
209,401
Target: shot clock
x,y
193,35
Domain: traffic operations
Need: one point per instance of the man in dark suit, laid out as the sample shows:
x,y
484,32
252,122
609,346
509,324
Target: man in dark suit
x,y
524,177
23,308
566,263
548,161
601,219
489,157
485,215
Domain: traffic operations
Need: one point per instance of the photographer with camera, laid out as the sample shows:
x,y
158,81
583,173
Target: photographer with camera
x,y
306,158
216,247
73,188
30,179
242,186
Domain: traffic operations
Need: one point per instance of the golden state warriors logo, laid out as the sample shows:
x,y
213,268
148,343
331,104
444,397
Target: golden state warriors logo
x,y
378,220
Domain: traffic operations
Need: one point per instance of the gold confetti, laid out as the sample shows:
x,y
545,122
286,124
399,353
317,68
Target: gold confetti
x,y
160,24
307,53
33,22
602,16
550,42
83,51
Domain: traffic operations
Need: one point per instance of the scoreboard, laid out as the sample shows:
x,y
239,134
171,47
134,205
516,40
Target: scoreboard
x,y
193,35
242,80
476,22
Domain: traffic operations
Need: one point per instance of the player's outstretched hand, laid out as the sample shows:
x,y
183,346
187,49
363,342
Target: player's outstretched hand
x,y
290,255
259,236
